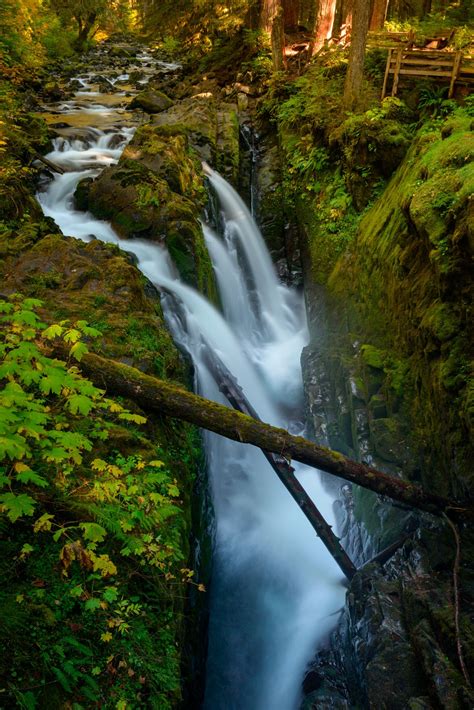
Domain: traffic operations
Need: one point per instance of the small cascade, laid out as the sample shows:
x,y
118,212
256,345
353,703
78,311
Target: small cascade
x,y
274,585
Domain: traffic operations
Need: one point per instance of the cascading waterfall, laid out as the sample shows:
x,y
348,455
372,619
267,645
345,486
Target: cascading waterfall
x,y
274,584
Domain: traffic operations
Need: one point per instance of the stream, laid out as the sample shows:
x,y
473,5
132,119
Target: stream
x,y
275,589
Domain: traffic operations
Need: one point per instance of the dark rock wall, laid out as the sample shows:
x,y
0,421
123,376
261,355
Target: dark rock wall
x,y
382,387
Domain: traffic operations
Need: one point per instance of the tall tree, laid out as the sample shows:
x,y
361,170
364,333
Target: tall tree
x,y
324,23
378,14
291,13
355,69
272,20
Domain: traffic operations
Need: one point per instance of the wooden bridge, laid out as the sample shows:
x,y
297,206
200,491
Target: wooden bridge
x,y
454,68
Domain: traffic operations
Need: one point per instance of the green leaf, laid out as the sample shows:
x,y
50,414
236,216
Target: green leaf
x,y
80,404
92,604
62,679
52,383
110,594
31,303
17,506
26,318
77,644
30,476
72,336
78,350
128,416
93,532
13,447
54,331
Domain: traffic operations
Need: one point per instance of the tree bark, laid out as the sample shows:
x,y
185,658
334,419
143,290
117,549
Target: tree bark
x,y
355,69
291,14
378,14
160,397
278,41
324,23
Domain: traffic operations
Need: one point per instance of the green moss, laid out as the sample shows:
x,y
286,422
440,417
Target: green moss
x,y
373,356
406,276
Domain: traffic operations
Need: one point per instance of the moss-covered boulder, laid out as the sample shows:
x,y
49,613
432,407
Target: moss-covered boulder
x,y
157,192
212,128
151,101
372,145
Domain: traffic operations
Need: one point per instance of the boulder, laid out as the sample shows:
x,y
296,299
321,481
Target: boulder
x,y
151,101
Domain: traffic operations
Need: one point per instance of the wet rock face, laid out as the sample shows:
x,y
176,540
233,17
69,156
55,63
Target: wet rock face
x,y
396,643
395,646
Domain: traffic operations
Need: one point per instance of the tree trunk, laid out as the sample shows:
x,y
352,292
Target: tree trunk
x,y
268,11
252,18
163,398
355,69
84,29
324,23
291,14
278,41
378,14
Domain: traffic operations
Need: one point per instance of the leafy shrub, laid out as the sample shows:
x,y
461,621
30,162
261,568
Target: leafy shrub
x,y
103,530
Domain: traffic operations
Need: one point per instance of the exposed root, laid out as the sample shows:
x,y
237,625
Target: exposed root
x,y
457,563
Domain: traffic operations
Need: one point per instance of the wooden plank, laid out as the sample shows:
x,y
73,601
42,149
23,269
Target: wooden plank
x,y
419,72
456,66
396,73
387,70
427,62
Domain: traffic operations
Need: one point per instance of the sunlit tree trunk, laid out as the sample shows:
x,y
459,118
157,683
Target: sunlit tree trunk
x,y
324,23
355,69
378,14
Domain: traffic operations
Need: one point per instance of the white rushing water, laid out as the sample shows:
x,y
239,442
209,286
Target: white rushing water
x,y
274,585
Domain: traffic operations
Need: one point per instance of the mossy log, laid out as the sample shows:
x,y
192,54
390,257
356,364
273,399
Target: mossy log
x,y
164,398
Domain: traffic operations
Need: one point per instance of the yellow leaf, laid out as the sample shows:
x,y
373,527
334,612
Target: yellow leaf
x,y
98,465
19,598
115,471
106,637
43,524
20,467
201,588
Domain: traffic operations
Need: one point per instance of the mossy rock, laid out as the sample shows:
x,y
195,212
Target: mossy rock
x,y
156,192
407,280
151,101
212,128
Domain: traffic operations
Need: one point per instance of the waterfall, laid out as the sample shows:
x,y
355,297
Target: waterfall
x,y
274,585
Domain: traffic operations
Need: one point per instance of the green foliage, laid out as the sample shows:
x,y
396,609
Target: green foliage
x,y
105,528
194,20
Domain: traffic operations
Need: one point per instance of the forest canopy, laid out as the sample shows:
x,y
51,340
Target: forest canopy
x,y
32,31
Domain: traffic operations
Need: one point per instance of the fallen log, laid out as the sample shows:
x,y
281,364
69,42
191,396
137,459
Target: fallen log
x,y
52,166
286,473
155,395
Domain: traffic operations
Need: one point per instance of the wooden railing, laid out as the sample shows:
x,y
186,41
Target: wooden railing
x,y
452,67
